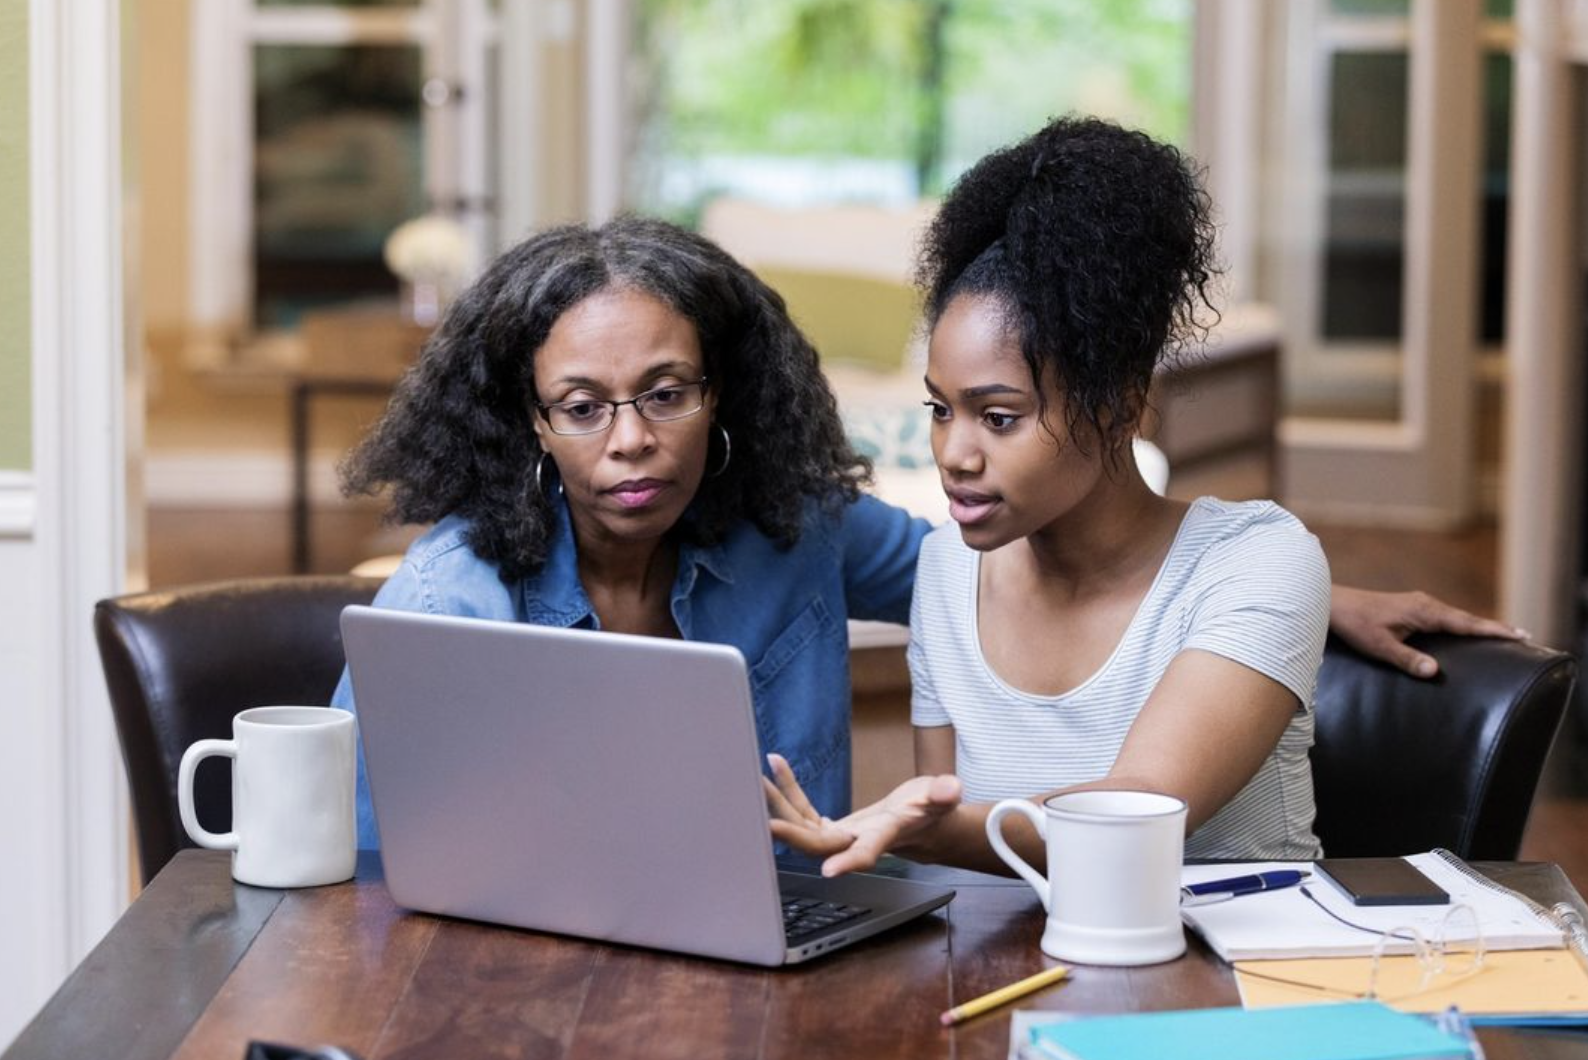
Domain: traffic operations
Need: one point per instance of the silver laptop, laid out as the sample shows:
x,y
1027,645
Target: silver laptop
x,y
592,784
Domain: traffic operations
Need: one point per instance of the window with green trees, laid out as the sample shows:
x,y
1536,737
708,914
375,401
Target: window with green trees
x,y
822,101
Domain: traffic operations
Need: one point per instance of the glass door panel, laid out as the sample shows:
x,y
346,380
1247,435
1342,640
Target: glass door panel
x,y
1365,225
337,166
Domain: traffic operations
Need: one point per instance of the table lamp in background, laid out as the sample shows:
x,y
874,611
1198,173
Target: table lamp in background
x,y
431,256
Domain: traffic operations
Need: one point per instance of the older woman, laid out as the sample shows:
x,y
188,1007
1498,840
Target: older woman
x,y
620,428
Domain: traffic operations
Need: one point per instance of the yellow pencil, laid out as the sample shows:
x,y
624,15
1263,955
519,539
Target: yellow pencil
x,y
1007,994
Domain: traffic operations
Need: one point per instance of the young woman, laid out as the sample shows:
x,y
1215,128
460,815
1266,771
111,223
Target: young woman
x,y
1072,628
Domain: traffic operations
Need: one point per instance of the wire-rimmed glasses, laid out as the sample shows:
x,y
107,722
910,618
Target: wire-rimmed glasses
x,y
675,401
1455,951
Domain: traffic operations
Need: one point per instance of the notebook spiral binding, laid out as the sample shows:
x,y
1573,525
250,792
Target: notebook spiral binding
x,y
1561,915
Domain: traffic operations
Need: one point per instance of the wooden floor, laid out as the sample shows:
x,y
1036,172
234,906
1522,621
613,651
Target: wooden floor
x,y
186,545
1459,566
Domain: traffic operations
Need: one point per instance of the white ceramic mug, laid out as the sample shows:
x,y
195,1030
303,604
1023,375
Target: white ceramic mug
x,y
293,776
1112,890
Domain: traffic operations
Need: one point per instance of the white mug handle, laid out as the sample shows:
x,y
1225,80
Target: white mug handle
x,y
184,793
995,836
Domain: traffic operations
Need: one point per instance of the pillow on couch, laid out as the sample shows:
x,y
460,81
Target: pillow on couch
x,y
893,435
849,318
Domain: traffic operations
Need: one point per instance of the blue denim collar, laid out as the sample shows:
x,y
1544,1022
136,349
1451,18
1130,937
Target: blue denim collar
x,y
555,597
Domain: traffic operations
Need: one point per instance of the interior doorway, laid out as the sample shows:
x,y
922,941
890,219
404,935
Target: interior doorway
x,y
1575,732
280,147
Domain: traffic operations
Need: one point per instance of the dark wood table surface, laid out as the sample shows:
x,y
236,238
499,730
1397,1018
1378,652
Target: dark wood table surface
x,y
198,966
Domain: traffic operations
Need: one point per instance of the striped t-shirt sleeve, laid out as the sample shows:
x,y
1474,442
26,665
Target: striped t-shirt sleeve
x,y
1262,600
926,710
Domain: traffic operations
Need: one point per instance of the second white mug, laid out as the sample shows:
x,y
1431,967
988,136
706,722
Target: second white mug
x,y
293,775
1112,889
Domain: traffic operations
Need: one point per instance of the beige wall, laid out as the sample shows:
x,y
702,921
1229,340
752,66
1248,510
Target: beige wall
x,y
16,450
159,127
562,174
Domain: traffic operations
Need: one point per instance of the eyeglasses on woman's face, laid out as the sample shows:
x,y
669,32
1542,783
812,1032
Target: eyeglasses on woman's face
x,y
675,401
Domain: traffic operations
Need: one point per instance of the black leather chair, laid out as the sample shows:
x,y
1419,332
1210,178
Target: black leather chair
x,y
1403,765
179,664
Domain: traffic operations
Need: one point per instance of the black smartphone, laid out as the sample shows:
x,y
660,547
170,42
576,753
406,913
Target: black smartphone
x,y
1381,881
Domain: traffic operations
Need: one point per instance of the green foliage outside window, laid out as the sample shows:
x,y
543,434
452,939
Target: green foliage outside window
x,y
926,85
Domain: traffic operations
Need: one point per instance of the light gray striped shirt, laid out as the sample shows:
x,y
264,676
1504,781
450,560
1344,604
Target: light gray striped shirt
x,y
1243,581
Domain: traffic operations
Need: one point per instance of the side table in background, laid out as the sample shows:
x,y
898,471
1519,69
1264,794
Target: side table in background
x,y
360,349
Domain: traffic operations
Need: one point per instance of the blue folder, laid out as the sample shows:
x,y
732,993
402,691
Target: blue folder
x,y
1357,1030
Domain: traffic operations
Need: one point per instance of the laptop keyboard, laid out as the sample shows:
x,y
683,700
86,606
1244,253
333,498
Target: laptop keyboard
x,y
804,917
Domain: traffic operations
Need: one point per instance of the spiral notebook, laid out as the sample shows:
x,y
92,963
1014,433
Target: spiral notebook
x,y
1288,923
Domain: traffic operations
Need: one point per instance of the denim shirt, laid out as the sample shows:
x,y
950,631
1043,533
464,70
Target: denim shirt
x,y
784,609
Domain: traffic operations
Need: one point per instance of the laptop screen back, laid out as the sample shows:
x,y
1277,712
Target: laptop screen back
x,y
593,784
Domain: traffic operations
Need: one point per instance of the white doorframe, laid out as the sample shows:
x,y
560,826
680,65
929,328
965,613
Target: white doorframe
x,y
1542,459
1230,41
606,106
80,429
65,829
1417,471
519,180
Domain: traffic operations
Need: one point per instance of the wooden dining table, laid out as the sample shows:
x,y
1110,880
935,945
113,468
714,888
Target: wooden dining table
x,y
199,966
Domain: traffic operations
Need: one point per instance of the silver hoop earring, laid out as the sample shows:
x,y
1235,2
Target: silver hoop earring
x,y
727,450
540,477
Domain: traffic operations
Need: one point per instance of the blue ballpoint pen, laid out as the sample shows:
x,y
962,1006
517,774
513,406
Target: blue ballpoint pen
x,y
1222,890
